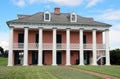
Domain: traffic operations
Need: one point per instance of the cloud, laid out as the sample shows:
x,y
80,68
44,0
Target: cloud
x,y
4,40
20,3
92,3
110,14
114,39
67,2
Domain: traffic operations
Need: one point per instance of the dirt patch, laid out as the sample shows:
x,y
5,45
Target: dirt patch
x,y
93,73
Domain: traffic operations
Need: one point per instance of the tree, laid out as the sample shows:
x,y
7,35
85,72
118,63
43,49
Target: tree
x,y
115,57
1,50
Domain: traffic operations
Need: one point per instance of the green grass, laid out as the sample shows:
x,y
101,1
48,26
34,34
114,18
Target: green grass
x,y
40,72
3,61
109,70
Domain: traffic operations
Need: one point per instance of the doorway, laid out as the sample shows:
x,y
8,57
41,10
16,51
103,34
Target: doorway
x,y
59,58
86,58
34,58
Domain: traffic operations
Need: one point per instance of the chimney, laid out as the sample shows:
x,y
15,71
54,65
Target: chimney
x,y
57,11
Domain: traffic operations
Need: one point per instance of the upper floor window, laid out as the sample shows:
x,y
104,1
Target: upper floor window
x,y
73,17
47,16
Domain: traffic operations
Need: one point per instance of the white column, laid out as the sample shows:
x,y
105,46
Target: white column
x,y
25,60
81,57
68,46
54,47
10,54
94,47
40,47
107,47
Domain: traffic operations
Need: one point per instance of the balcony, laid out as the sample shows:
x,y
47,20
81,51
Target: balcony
x,y
59,46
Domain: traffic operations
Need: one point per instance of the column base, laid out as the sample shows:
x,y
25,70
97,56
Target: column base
x,y
54,64
40,64
68,64
107,64
25,64
81,64
94,64
9,65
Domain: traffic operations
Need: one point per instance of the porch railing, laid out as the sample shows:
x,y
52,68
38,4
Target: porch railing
x,y
59,46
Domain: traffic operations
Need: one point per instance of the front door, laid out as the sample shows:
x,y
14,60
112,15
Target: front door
x,y
16,58
59,37
59,58
34,58
87,58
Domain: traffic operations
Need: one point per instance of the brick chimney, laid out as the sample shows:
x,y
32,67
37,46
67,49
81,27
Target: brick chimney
x,y
57,11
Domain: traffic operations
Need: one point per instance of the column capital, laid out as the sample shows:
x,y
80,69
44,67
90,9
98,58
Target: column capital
x,y
106,29
11,27
94,29
54,28
26,27
40,27
68,28
81,28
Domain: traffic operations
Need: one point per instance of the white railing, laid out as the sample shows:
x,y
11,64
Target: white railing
x,y
100,54
59,46
18,45
100,46
74,46
47,46
87,46
32,45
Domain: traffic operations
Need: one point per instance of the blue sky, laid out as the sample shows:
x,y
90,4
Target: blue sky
x,y
107,11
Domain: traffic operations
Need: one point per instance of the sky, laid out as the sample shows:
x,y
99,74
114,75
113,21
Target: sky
x,y
107,11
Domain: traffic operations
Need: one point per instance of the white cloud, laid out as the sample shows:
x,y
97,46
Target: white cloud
x,y
114,39
20,3
92,3
67,2
4,40
110,14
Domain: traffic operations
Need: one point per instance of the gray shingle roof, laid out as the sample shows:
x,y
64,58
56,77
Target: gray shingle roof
x,y
63,18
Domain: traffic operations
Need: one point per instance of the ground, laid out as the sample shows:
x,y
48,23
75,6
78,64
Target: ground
x,y
45,72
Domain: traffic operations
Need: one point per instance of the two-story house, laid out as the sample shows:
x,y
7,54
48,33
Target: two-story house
x,y
55,38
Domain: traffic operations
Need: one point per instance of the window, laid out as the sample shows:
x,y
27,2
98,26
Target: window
x,y
47,16
73,17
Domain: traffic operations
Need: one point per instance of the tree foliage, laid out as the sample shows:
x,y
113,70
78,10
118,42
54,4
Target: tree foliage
x,y
115,57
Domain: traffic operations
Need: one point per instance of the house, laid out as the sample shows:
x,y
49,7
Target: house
x,y
55,38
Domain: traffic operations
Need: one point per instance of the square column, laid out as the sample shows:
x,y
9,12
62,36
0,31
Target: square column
x,y
25,59
10,54
107,47
81,53
54,47
40,47
68,46
94,47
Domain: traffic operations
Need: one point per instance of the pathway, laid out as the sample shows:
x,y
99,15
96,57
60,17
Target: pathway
x,y
93,73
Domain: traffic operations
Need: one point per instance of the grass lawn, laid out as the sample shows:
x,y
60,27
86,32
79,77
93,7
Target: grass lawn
x,y
109,70
40,72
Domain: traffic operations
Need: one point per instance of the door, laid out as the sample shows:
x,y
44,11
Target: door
x,y
87,57
16,58
84,39
43,58
59,58
20,40
59,40
34,58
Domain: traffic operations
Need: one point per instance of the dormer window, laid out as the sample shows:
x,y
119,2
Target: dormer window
x,y
47,16
73,17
